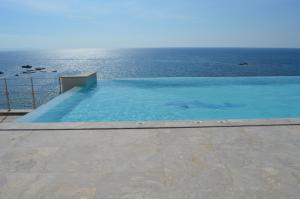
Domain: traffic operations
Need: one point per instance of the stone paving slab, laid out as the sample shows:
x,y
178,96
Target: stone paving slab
x,y
210,163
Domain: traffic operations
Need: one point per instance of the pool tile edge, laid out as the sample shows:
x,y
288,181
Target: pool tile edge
x,y
147,125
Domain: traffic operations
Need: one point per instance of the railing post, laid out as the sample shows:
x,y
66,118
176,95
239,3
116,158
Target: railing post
x,y
59,82
33,94
7,94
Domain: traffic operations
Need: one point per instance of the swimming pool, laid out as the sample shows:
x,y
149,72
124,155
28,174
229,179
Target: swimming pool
x,y
157,99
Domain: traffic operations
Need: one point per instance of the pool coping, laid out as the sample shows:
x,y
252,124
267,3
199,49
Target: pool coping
x,y
147,125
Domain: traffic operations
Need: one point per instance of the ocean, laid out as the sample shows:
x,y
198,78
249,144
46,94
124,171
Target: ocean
x,y
164,62
142,63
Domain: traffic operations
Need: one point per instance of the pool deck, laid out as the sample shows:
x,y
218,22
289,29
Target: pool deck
x,y
169,160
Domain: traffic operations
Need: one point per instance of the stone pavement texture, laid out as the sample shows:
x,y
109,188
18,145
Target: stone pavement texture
x,y
209,163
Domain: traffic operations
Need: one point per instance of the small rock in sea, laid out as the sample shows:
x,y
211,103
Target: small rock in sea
x,y
244,64
1,73
40,68
17,75
27,66
28,72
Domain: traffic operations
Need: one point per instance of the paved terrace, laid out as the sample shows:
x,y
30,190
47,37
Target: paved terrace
x,y
245,162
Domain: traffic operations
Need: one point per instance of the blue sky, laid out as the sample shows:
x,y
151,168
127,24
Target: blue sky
x,y
149,23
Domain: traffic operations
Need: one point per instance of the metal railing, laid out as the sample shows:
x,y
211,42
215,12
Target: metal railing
x,y
27,93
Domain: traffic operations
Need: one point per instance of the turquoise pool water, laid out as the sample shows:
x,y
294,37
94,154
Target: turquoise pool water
x,y
175,99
